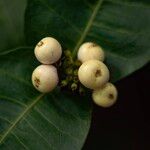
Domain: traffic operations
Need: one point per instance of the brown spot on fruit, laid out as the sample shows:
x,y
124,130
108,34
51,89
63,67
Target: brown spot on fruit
x,y
40,43
111,96
98,73
93,45
37,82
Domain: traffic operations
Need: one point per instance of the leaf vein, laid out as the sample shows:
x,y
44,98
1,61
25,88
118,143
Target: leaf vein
x,y
57,102
130,4
54,124
53,10
20,117
38,133
15,49
20,141
14,77
4,119
88,26
13,100
120,31
88,4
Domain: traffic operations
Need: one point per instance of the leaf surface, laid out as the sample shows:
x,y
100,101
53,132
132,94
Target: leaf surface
x,y
30,120
11,23
121,27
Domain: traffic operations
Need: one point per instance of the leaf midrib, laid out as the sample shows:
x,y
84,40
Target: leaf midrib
x,y
88,26
20,117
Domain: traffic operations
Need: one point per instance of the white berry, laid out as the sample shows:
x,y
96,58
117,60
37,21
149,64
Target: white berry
x,y
89,50
45,78
105,96
93,74
48,50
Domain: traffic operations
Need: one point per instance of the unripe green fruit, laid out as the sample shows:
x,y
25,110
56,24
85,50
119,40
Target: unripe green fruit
x,y
93,74
89,51
64,83
45,78
48,50
105,96
74,86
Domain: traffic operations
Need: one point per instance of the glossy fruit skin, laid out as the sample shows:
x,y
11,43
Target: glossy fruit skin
x,y
89,51
105,96
48,51
93,74
45,78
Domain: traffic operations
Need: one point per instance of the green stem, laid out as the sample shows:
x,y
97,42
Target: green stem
x,y
87,28
74,54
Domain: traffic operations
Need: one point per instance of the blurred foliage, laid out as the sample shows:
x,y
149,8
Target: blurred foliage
x,y
11,23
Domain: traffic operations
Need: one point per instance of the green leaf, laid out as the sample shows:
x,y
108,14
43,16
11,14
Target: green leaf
x,y
121,27
11,23
30,120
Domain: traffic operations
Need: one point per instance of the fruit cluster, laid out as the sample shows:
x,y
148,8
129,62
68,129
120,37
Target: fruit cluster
x,y
88,71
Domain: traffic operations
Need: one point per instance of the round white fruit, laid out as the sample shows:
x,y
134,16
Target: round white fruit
x,y
90,50
105,96
48,50
45,78
93,74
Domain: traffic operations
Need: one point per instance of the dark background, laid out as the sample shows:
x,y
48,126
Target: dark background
x,y
126,125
